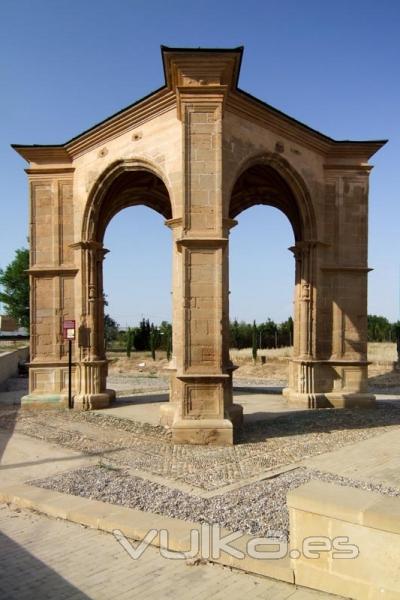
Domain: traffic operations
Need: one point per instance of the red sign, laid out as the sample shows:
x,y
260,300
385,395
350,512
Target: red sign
x,y
69,330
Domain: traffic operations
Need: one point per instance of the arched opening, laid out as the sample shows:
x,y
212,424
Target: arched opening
x,y
262,184
123,185
271,182
261,280
137,269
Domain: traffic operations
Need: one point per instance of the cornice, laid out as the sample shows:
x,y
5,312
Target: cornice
x,y
346,268
52,270
202,75
152,106
174,223
44,155
202,242
253,109
365,169
193,67
56,170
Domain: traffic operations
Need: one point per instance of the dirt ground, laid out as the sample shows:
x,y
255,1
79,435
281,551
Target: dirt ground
x,y
382,370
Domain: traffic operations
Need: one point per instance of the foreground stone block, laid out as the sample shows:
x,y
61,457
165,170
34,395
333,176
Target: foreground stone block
x,y
361,529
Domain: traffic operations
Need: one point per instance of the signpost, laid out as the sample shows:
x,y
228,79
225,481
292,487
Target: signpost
x,y
69,334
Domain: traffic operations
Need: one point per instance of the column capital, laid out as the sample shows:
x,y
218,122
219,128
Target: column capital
x,y
202,242
305,245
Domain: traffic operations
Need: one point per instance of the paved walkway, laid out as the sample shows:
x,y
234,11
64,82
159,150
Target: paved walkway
x,y
376,460
46,558
23,458
257,406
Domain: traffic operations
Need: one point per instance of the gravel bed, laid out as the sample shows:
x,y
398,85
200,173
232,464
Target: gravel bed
x,y
256,509
261,445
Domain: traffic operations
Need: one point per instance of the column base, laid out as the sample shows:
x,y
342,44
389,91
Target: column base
x,y
43,401
94,401
216,432
331,399
168,414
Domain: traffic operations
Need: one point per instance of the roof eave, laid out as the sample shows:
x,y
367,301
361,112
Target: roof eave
x,y
39,154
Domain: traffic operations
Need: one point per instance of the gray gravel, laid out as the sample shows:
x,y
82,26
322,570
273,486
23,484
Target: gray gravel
x,y
255,509
261,446
132,384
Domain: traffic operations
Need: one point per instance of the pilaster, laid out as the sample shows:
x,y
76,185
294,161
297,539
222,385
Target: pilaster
x,y
204,412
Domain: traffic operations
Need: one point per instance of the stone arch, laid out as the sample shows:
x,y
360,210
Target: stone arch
x,y
124,183
269,179
111,182
280,176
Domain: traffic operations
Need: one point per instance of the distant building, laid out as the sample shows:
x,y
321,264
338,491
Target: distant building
x,y
7,323
9,328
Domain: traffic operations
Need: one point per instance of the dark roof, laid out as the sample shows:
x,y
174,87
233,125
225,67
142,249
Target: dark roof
x,y
238,49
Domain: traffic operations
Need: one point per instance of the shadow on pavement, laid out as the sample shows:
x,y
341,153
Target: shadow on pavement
x,y
10,404
141,399
302,422
24,576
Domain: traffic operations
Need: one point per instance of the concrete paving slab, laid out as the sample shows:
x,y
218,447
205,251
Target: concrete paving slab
x,y
135,524
145,408
375,460
24,458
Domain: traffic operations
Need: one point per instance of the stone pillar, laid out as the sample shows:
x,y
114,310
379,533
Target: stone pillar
x,y
329,369
52,275
204,411
344,280
301,373
169,411
92,392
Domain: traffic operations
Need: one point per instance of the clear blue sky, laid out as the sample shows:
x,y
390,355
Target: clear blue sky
x,y
67,64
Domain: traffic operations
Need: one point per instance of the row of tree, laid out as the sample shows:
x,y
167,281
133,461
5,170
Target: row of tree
x,y
380,329
146,336
266,335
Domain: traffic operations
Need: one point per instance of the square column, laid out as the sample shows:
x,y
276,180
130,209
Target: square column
x,y
202,393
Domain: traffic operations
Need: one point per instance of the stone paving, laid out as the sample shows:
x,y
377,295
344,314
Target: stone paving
x,y
58,563
47,558
263,445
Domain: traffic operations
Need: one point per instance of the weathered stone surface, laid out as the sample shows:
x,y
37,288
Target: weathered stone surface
x,y
344,516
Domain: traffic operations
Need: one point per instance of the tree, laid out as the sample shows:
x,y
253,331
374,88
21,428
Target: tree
x,y
142,336
111,329
235,334
15,283
254,342
166,338
129,342
379,329
154,338
169,344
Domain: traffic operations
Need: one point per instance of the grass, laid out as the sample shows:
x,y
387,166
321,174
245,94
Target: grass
x,y
378,352
11,346
271,353
382,352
